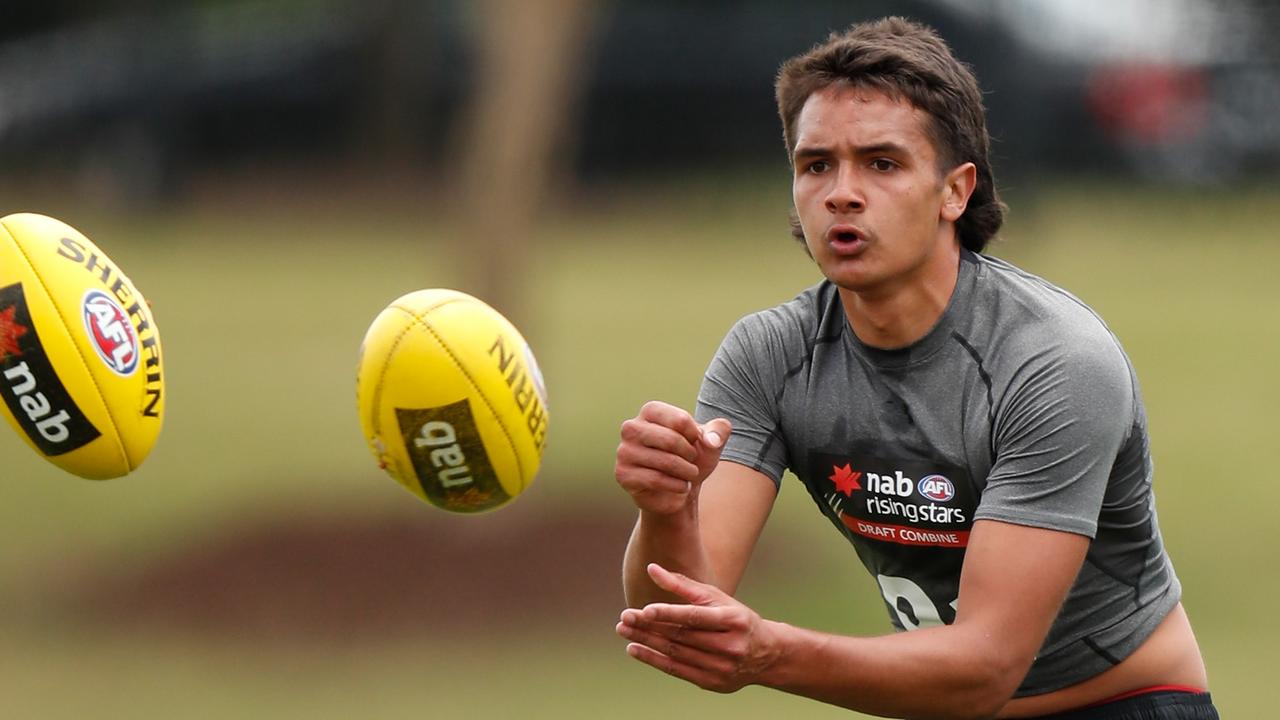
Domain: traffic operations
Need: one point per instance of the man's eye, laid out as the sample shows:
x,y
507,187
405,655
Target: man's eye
x,y
883,164
819,166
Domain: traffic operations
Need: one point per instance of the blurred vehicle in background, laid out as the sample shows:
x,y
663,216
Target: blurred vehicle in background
x,y
130,102
1187,90
133,102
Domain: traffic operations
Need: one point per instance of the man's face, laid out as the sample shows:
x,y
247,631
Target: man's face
x,y
868,191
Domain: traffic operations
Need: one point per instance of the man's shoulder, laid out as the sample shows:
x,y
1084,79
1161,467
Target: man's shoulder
x,y
1024,326
777,340
805,317
1010,302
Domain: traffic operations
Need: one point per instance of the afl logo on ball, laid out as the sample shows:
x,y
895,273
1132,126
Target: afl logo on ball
x,y
110,332
936,488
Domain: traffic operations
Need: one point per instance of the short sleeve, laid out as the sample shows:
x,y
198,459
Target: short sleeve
x,y
743,384
1057,433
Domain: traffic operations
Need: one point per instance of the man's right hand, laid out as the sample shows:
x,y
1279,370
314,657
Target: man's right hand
x,y
665,455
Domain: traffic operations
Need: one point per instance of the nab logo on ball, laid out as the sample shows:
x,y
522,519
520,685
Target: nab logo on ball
x,y
36,397
937,488
449,458
111,332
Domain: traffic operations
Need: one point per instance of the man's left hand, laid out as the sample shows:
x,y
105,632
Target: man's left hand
x,y
714,642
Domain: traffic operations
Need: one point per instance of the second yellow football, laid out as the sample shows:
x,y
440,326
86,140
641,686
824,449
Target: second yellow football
x,y
451,401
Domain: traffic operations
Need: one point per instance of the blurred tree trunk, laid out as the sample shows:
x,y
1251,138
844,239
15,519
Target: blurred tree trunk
x,y
528,78
389,125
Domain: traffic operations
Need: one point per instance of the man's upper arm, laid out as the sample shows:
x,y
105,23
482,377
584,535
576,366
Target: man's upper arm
x,y
733,505
743,384
1057,432
1013,583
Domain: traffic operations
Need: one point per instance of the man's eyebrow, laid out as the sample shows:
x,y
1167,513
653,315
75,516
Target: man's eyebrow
x,y
810,151
880,148
883,148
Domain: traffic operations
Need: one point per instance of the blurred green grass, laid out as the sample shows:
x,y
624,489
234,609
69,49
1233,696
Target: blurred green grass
x,y
262,310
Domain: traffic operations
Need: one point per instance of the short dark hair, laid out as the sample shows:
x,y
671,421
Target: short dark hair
x,y
905,59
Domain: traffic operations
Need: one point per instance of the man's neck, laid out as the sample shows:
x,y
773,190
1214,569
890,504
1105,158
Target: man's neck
x,y
898,316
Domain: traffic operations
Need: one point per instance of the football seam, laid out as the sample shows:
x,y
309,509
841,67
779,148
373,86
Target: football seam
x,y
375,420
421,319
115,426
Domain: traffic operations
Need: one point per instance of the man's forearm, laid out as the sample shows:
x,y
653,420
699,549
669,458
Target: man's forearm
x,y
673,541
934,673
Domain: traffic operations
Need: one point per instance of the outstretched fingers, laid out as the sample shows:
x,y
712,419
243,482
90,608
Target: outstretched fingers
x,y
679,623
696,648
714,642
701,657
682,668
658,617
692,591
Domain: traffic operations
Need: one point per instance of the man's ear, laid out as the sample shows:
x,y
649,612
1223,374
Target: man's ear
x,y
958,186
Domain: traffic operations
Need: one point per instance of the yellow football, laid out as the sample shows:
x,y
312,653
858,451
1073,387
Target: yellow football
x,y
80,363
451,401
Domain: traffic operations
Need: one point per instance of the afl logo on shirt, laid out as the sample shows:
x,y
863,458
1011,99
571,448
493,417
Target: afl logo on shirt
x,y
111,333
937,488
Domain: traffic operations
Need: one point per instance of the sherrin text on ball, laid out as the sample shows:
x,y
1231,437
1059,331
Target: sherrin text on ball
x,y
80,360
451,401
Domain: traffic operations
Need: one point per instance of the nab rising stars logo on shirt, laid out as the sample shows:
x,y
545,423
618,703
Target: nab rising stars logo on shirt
x,y
892,506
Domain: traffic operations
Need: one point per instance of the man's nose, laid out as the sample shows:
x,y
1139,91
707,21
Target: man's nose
x,y
846,193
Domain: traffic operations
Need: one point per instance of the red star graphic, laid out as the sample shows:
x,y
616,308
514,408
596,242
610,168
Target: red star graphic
x,y
10,331
846,479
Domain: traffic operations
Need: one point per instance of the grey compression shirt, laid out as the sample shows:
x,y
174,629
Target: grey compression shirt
x,y
1018,406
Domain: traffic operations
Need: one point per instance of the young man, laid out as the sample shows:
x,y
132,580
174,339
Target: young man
x,y
976,434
